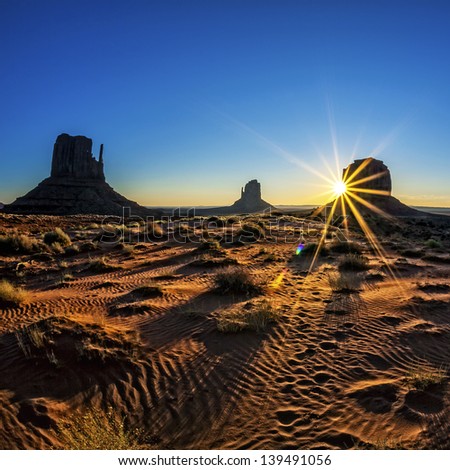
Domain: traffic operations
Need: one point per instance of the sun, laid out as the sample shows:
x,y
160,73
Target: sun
x,y
339,188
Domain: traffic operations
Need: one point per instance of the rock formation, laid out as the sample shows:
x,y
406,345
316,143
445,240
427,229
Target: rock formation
x,y
76,186
249,202
373,174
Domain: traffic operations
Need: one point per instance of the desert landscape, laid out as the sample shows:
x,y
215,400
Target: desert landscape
x,y
216,332
224,226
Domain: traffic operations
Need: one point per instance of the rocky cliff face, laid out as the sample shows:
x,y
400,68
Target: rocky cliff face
x,y
370,174
72,157
76,186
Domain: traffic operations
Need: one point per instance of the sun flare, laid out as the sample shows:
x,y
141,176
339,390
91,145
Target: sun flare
x,y
339,188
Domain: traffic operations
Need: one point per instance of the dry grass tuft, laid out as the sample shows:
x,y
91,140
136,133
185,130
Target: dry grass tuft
x,y
102,265
344,282
424,378
354,262
57,236
237,280
97,430
255,317
11,295
16,243
62,341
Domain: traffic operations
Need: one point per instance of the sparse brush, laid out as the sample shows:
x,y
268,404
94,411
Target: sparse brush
x,y
354,262
15,243
210,244
96,429
87,247
101,265
150,290
207,260
313,247
11,295
431,243
345,247
57,236
251,233
237,280
344,282
257,317
423,378
71,250
154,231
64,341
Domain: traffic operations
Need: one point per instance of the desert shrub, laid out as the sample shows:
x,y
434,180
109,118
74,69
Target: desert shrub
x,y
250,233
63,341
311,248
15,242
210,245
96,429
57,248
71,250
431,243
213,222
150,290
236,280
252,317
209,260
344,282
154,231
102,265
11,295
422,378
354,262
86,247
345,247
57,236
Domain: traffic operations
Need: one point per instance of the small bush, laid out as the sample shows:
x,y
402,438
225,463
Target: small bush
x,y
251,233
253,317
431,243
102,265
423,378
353,262
97,430
154,231
87,247
71,250
311,248
57,236
16,243
151,290
345,247
11,295
344,283
236,280
207,260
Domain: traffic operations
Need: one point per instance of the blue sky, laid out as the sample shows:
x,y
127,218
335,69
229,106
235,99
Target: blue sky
x,y
193,99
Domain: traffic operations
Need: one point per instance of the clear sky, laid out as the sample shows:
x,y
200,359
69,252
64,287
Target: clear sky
x,y
192,99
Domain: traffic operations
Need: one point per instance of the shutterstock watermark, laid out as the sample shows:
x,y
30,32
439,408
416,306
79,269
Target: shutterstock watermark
x,y
238,229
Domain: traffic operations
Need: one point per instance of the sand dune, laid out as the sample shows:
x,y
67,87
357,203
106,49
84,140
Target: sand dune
x,y
334,372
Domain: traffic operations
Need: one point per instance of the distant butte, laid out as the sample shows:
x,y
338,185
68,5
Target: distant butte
x,y
249,202
76,185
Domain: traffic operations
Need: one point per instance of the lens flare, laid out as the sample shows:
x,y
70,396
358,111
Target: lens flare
x,y
299,248
339,188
